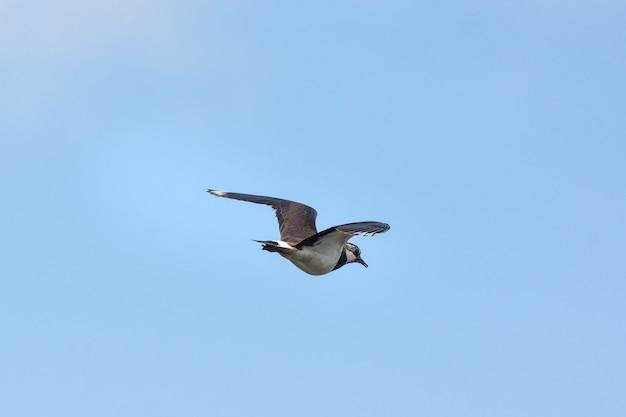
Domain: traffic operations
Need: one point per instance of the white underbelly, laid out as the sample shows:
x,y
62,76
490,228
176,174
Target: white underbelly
x,y
313,262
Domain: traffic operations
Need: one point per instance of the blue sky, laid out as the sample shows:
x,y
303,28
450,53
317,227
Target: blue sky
x,y
490,137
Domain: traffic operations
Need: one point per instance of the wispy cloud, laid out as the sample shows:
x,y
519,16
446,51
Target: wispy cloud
x,y
55,48
60,30
72,30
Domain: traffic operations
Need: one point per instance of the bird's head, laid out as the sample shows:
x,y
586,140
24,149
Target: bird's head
x,y
353,253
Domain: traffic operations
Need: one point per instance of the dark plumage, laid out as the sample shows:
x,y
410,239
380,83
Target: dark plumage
x,y
313,252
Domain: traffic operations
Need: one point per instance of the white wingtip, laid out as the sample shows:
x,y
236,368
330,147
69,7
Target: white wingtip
x,y
217,193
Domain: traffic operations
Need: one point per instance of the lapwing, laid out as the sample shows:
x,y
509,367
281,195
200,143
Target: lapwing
x,y
314,253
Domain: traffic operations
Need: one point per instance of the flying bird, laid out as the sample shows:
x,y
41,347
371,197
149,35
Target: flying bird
x,y
314,253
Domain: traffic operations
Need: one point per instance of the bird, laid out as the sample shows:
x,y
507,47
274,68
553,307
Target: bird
x,y
316,253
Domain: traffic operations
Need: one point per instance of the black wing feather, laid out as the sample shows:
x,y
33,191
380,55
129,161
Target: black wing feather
x,y
351,229
296,221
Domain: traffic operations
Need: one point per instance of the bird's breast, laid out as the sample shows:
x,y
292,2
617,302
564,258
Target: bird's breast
x,y
313,262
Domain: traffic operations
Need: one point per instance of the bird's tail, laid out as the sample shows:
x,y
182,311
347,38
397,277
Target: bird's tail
x,y
275,246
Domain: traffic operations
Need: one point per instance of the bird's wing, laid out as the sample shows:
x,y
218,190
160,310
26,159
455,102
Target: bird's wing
x,y
296,221
344,232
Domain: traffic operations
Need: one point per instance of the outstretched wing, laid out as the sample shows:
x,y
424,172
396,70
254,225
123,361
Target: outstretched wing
x,y
296,221
344,232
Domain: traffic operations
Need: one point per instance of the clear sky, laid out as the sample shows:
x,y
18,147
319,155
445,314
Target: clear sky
x,y
491,137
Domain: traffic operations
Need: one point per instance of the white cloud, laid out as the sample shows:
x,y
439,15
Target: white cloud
x,y
60,29
54,31
55,49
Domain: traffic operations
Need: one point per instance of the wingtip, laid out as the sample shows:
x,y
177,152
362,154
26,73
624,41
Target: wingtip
x,y
216,192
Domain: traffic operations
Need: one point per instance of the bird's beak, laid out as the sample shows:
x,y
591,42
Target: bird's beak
x,y
361,261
